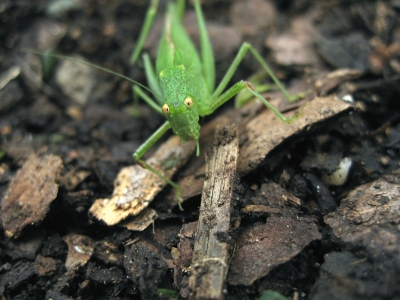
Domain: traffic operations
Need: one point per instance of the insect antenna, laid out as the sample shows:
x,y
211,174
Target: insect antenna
x,y
91,65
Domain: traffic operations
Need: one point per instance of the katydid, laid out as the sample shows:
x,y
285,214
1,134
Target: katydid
x,y
183,82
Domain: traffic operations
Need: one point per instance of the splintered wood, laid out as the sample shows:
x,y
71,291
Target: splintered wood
x,y
211,250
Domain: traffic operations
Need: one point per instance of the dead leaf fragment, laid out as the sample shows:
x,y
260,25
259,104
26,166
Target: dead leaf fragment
x,y
266,131
334,79
141,221
30,193
261,247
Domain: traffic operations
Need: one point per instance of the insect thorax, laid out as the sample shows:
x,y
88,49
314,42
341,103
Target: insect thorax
x,y
175,79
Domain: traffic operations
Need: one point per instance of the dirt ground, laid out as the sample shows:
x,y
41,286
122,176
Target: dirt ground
x,y
307,210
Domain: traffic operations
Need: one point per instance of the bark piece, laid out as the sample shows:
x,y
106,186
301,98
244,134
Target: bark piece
x,y
145,266
18,275
30,193
345,275
367,221
26,246
369,216
183,258
322,193
211,253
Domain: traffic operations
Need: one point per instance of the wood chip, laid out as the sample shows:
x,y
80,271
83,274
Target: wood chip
x,y
135,187
211,250
30,193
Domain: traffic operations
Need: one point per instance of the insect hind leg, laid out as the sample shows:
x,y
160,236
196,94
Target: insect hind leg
x,y
246,47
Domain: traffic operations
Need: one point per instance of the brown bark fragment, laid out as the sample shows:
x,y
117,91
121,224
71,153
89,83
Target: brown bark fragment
x,y
30,193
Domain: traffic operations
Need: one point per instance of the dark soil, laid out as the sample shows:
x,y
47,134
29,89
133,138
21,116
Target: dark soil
x,y
66,130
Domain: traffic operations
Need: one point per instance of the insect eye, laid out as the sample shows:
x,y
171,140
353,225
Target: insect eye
x,y
189,102
165,109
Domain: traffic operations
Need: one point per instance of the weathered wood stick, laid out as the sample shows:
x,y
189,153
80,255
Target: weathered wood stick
x,y
211,250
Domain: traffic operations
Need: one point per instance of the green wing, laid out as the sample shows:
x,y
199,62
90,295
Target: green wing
x,y
176,47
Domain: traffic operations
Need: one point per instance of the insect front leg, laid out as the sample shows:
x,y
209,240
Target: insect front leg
x,y
146,146
233,67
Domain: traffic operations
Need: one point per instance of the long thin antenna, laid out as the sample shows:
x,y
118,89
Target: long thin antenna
x,y
91,65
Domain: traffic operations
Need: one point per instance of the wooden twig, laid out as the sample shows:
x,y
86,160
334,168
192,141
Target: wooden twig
x,y
211,250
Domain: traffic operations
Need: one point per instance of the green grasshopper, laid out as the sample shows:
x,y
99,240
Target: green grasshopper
x,y
184,83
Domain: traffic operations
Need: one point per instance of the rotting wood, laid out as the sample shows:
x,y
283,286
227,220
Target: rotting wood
x,y
211,253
